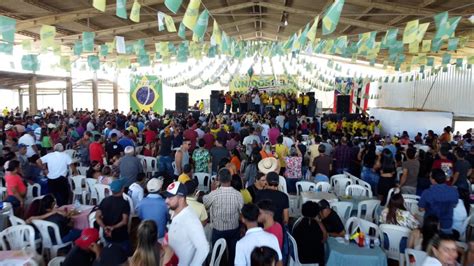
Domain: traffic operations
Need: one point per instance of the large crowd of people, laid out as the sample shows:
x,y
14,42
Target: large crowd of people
x,y
255,142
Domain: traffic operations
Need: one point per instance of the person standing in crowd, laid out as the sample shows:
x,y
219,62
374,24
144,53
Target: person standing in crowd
x,y
293,171
411,168
125,140
165,162
254,237
112,216
197,206
83,145
267,211
186,234
224,204
181,157
322,165
218,153
153,206
112,148
130,166
251,140
201,158
279,199
56,165
28,140
136,191
387,175
281,152
342,157
192,136
96,150
439,200
462,172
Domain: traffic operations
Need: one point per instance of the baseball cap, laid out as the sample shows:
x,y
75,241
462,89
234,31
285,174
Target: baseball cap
x,y
116,185
88,236
21,145
154,185
176,189
273,178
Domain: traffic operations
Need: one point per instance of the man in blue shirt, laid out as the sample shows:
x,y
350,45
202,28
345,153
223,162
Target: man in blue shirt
x,y
126,140
153,207
439,200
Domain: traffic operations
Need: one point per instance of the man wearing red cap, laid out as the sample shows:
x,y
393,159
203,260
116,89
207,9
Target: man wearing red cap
x,y
86,249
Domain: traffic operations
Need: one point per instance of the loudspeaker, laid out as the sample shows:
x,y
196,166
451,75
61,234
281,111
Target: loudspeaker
x,y
312,104
343,104
182,102
214,103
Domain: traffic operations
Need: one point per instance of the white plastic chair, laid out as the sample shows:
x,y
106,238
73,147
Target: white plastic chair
x,y
15,220
365,226
132,210
56,261
339,185
18,237
150,165
334,177
357,191
72,153
282,184
32,191
293,259
364,184
389,195
343,209
102,192
79,188
411,205
355,179
410,196
204,181
419,256
370,207
50,249
3,193
302,186
220,247
90,183
394,235
82,170
323,186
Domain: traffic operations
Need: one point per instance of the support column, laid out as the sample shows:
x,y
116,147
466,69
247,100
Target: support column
x,y
69,100
115,90
20,100
32,95
95,94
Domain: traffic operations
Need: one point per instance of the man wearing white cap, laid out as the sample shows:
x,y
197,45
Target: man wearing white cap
x,y
153,206
186,235
57,168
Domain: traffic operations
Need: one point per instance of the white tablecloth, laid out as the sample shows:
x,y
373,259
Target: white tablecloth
x,y
317,196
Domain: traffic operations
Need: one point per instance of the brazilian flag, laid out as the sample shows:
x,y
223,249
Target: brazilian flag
x,y
146,93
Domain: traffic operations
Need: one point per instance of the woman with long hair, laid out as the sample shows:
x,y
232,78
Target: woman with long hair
x,y
397,214
95,170
387,175
235,159
420,238
148,249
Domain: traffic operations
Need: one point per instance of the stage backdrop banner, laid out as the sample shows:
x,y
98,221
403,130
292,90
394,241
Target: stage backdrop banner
x,y
146,93
266,82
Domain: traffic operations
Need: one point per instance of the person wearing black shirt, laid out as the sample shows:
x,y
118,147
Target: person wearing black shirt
x,y
279,199
331,220
310,235
259,185
85,251
112,148
113,214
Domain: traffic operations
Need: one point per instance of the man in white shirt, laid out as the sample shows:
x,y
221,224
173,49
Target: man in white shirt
x,y
250,140
90,125
57,169
288,141
136,191
29,141
185,235
254,237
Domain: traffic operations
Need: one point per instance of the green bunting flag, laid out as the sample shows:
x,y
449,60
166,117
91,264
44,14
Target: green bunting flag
x,y
182,31
421,31
459,62
341,44
446,59
6,48
191,14
7,29
453,44
88,41
144,60
436,44
216,38
77,48
121,10
430,61
331,17
30,62
312,31
304,36
104,50
93,62
390,37
201,26
173,5
65,63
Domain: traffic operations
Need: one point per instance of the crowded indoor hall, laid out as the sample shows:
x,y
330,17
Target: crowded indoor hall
x,y
247,133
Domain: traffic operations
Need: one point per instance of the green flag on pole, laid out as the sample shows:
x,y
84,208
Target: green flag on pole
x,y
216,38
191,14
390,37
201,26
173,5
104,50
331,17
121,10
7,29
93,62
88,41
77,48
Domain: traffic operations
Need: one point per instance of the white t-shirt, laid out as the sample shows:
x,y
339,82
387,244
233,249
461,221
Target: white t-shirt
x,y
29,141
288,142
248,141
135,191
254,237
430,261
90,126
187,239
58,163
38,135
280,120
459,216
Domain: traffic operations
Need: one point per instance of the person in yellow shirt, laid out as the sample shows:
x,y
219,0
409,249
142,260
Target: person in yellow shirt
x,y
201,105
264,98
281,153
299,102
186,175
283,103
305,104
5,112
276,102
133,128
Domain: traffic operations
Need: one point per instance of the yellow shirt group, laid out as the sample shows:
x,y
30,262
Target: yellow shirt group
x,y
282,152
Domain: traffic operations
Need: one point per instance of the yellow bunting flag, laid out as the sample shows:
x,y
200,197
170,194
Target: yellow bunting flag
x,y
413,47
192,13
26,45
426,46
99,5
47,34
135,13
411,31
421,31
312,31
170,27
216,37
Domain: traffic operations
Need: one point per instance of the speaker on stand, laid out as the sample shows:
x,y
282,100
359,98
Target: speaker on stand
x,y
214,102
182,102
312,104
343,104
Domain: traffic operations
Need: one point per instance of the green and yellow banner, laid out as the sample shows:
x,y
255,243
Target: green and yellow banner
x,y
146,93
280,83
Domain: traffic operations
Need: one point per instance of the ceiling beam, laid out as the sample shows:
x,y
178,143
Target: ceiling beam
x,y
367,10
74,15
395,7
